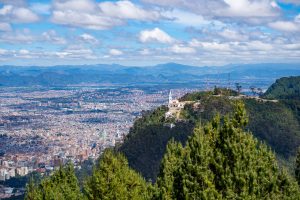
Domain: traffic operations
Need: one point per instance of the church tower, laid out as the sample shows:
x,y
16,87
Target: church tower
x,y
170,97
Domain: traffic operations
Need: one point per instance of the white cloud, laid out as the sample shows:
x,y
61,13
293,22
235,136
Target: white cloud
x,y
233,35
5,26
145,52
84,20
88,38
88,14
12,14
14,2
255,46
297,18
24,51
285,26
75,5
211,46
247,8
23,36
155,35
115,52
127,10
3,51
181,49
292,46
51,36
83,14
24,15
249,11
74,52
202,7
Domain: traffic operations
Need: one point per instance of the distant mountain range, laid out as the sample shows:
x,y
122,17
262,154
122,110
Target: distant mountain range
x,y
118,74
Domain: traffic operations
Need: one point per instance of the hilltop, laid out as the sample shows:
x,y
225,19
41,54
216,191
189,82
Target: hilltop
x,y
287,88
275,122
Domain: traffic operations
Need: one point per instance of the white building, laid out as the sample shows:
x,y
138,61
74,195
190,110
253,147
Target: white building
x,y
174,106
174,103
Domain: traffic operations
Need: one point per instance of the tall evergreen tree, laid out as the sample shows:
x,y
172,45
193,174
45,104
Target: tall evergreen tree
x,y
297,169
32,192
166,181
62,185
113,179
222,161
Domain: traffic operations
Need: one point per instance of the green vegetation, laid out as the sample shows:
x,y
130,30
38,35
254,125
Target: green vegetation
x,y
219,161
113,179
146,143
20,181
62,185
284,88
222,161
275,123
297,168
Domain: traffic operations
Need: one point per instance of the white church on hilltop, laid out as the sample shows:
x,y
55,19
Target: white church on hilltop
x,y
174,107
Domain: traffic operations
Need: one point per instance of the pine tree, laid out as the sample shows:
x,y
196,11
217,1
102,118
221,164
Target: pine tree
x,y
62,185
297,170
113,179
32,193
222,161
166,181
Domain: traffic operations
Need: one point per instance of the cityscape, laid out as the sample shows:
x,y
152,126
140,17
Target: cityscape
x,y
41,129
148,99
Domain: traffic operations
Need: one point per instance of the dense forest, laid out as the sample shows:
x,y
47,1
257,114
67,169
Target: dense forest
x,y
222,146
285,88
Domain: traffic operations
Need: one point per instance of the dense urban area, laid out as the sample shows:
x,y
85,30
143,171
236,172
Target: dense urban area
x,y
42,128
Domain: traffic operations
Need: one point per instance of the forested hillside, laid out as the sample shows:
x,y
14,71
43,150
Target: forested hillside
x,y
275,123
218,161
285,88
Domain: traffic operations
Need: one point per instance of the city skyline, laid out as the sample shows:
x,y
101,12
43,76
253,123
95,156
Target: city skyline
x,y
148,32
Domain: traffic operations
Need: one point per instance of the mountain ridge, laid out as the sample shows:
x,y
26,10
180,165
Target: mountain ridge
x,y
274,122
113,73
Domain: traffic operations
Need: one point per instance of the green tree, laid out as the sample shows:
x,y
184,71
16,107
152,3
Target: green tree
x,y
222,161
32,192
169,167
113,179
297,170
62,185
238,88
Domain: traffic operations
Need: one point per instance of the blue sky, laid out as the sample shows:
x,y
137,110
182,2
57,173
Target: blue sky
x,y
148,32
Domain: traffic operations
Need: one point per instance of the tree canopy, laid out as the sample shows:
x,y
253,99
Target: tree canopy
x,y
62,185
222,161
284,88
113,179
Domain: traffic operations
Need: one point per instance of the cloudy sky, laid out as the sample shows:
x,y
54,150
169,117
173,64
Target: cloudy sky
x,y
147,32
